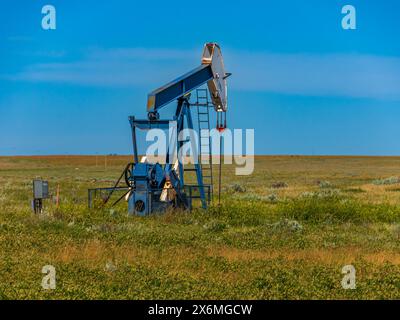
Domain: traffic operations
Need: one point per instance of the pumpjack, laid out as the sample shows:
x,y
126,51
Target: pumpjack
x,y
154,187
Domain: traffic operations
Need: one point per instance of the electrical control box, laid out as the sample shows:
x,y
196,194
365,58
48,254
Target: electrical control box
x,y
40,189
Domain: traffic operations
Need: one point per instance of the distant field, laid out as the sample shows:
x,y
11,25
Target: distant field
x,y
284,232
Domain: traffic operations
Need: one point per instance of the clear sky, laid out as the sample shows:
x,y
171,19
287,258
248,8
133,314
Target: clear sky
x,y
302,82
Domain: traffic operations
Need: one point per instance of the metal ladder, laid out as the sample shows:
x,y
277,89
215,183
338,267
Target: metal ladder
x,y
203,119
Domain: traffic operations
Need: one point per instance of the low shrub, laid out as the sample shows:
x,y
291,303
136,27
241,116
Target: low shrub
x,y
236,188
324,184
386,181
279,185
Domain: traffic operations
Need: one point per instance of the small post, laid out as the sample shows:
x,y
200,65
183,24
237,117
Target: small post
x,y
37,206
90,198
58,196
220,171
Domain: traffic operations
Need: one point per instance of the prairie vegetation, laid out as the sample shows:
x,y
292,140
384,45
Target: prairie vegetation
x,y
284,232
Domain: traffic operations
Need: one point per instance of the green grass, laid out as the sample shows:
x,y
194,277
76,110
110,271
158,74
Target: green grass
x,y
291,245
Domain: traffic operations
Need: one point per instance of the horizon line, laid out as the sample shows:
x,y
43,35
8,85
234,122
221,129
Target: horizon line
x,y
233,155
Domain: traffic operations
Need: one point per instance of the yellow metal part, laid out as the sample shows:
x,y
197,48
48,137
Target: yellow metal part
x,y
150,102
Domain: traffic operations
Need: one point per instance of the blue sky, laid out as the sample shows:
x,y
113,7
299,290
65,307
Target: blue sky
x,y
302,82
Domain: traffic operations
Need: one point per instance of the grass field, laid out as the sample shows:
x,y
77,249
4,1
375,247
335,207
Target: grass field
x,y
284,232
